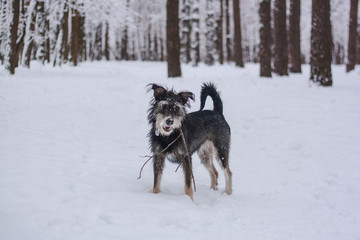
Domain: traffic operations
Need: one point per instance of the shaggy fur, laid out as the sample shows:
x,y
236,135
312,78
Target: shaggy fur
x,y
206,132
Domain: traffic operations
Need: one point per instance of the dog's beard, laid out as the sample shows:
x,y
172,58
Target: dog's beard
x,y
161,128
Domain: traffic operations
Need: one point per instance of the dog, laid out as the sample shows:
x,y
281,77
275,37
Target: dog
x,y
205,132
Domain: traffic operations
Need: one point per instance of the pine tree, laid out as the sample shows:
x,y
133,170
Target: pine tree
x,y
265,38
280,38
321,43
294,37
172,38
352,36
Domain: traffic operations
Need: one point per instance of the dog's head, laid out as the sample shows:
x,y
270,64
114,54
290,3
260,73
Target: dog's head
x,y
168,109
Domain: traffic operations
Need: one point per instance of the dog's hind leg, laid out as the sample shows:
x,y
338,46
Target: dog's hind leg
x,y
158,164
206,154
223,158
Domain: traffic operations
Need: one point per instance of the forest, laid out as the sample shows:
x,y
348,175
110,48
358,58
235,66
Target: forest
x,y
280,34
75,131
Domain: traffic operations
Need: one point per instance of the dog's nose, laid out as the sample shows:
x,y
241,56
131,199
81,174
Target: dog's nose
x,y
169,121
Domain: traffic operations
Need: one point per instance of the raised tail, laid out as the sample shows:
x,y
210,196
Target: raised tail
x,y
209,89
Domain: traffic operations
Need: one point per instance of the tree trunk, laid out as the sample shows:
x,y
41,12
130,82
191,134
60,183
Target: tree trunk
x,y
219,33
106,47
125,37
64,52
227,30
98,51
162,57
186,31
172,38
195,35
75,32
210,33
149,45
338,53
280,38
20,41
82,40
352,36
321,43
294,37
238,57
13,36
41,31
265,38
156,48
358,44
47,40
30,41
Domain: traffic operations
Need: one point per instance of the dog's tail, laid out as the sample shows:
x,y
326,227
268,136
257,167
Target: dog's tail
x,y
209,89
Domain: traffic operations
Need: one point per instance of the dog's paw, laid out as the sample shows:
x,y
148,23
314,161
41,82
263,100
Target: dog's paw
x,y
227,192
155,190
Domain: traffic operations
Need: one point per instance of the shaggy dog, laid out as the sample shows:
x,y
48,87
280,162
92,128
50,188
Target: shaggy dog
x,y
204,131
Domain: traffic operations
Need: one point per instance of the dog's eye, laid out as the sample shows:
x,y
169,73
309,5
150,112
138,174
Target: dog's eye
x,y
164,106
177,108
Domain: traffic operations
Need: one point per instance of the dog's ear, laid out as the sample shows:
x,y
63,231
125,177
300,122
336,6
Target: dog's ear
x,y
184,96
159,91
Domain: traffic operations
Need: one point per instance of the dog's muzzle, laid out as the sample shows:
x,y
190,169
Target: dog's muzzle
x,y
168,122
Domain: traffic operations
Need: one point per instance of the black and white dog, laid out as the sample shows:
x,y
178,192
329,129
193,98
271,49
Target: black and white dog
x,y
205,131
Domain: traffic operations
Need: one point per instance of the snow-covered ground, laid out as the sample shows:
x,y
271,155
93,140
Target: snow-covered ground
x,y
71,137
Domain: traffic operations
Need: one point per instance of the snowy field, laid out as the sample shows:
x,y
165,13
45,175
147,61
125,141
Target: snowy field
x,y
71,137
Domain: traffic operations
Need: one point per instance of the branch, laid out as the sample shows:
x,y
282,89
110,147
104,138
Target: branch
x,y
150,157
187,155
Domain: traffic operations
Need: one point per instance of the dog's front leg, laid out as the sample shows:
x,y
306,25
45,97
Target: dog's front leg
x,y
187,168
158,162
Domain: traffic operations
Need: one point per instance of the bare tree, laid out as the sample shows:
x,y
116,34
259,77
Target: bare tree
x,y
294,37
265,38
172,38
280,38
352,36
238,57
321,43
